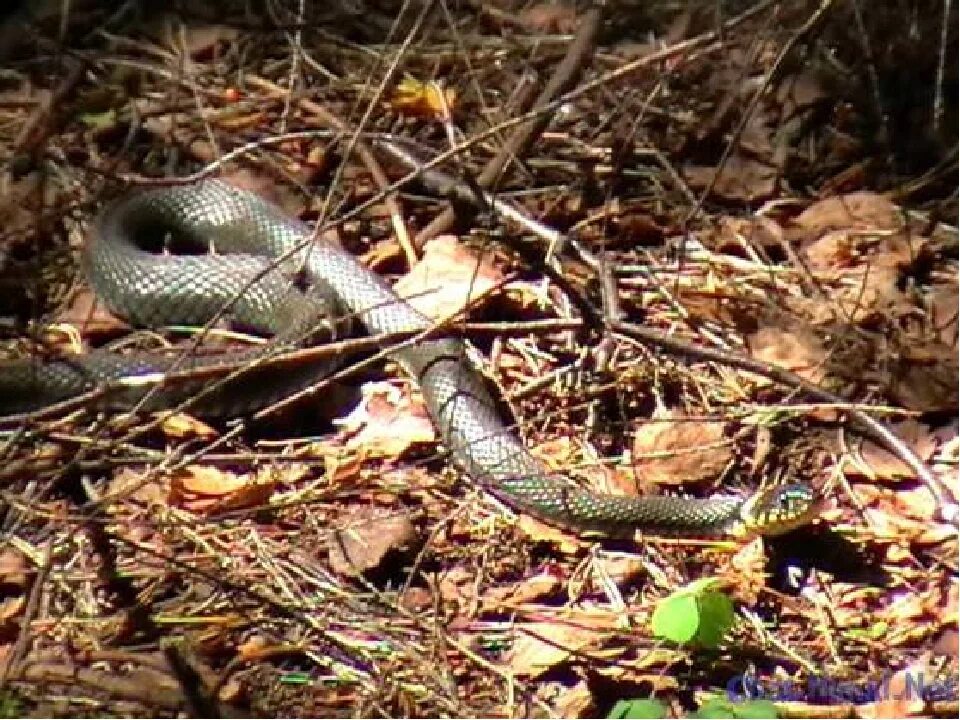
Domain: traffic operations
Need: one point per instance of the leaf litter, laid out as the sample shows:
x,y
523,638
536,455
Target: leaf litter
x,y
288,559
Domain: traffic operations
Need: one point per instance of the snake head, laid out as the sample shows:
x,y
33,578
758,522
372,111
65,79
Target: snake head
x,y
776,510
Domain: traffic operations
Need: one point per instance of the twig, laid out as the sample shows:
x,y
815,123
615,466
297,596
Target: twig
x,y
525,134
364,153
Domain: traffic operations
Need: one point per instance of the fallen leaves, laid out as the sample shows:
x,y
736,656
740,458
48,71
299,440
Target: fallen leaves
x,y
796,349
673,450
540,646
879,462
387,422
423,99
858,210
447,279
365,540
207,490
16,574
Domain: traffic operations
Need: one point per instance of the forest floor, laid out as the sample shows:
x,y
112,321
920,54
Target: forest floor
x,y
773,202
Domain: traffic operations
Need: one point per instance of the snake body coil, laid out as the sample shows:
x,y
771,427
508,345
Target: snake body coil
x,y
260,291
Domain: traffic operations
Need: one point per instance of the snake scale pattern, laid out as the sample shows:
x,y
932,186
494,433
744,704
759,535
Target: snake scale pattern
x,y
269,276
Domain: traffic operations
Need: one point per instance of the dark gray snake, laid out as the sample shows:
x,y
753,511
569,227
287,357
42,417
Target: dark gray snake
x,y
247,233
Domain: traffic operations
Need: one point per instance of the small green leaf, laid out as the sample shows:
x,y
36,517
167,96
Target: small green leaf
x,y
874,632
676,618
99,120
721,707
649,708
295,678
716,708
702,585
716,618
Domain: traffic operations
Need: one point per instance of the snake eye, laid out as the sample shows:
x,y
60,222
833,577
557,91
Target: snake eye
x,y
792,500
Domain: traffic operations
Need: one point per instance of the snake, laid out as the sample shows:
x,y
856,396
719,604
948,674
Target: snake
x,y
241,258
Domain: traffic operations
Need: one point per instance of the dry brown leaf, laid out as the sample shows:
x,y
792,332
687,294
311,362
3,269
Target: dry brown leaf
x,y
834,249
423,99
11,608
181,426
673,451
943,312
549,17
206,490
746,574
207,480
447,278
646,670
538,587
566,701
757,232
15,569
903,513
197,40
924,377
90,317
799,351
367,540
884,464
621,569
387,421
128,484
743,179
871,296
860,210
231,691
870,250
541,646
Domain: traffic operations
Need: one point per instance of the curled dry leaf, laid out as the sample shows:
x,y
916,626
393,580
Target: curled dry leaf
x,y
423,99
541,646
367,540
15,570
565,543
742,179
903,513
447,279
387,422
539,587
673,450
181,426
799,351
206,490
620,569
861,210
91,318
10,609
